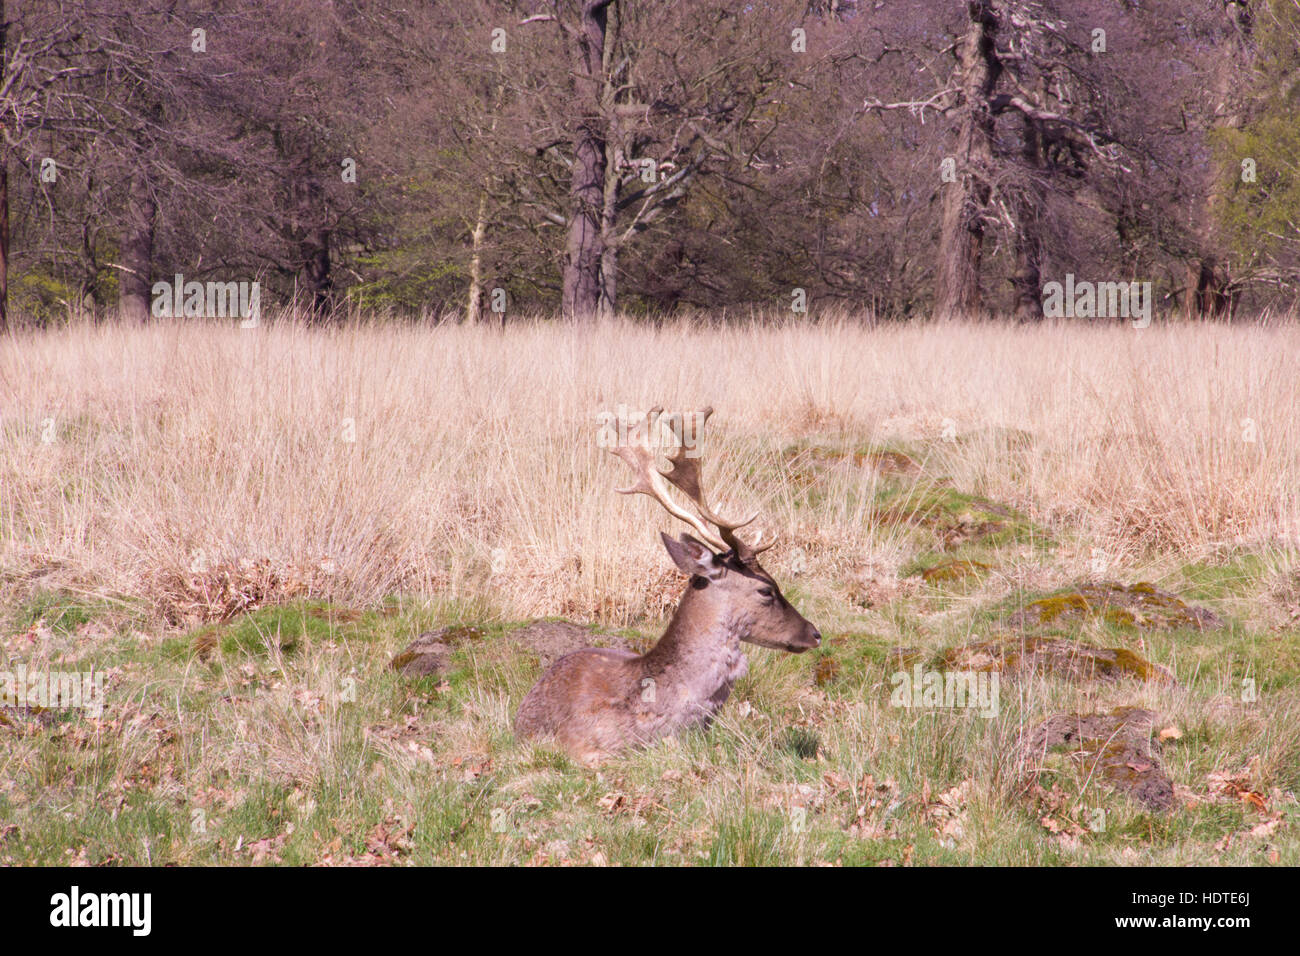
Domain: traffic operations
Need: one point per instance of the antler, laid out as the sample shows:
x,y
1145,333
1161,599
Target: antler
x,y
684,473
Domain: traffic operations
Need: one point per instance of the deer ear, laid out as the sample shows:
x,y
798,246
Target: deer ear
x,y
694,557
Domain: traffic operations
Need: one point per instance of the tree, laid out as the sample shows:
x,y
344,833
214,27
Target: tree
x,y
1258,184
584,118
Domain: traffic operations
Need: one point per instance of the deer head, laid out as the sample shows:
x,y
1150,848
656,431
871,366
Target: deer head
x,y
724,569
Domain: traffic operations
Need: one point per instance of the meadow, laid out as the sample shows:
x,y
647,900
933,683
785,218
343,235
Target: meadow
x,y
240,529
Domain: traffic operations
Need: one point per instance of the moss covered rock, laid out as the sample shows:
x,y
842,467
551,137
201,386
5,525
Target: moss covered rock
x,y
955,570
1116,748
551,640
1072,660
887,462
956,518
807,465
1142,606
429,653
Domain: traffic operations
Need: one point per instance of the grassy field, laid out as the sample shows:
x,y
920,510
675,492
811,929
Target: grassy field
x,y
240,528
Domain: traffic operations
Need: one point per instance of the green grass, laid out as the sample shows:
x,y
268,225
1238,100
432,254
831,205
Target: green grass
x,y
281,736
64,613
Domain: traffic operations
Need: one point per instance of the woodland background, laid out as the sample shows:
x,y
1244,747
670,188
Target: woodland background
x,y
646,158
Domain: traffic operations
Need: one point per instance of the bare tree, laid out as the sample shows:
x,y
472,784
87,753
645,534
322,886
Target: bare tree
x,y
589,120
587,155
1014,59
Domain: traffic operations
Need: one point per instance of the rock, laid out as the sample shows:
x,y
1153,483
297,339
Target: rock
x,y
1142,606
551,640
870,587
1115,748
429,653
422,658
955,570
956,518
888,462
1069,659
809,465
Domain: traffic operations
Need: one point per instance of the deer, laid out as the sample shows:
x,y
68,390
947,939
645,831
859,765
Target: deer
x,y
596,702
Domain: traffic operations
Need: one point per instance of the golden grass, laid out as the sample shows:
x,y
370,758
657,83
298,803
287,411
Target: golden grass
x,y
203,467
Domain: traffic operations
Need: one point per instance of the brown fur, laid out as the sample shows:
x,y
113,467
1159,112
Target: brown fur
x,y
596,701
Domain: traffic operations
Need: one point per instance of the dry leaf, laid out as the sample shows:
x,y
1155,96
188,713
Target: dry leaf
x,y
1255,800
834,780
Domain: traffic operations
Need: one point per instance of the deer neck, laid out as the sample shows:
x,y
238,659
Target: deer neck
x,y
700,650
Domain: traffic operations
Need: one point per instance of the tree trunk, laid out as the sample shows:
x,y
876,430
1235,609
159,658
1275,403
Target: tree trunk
x,y
1207,291
614,167
4,197
608,225
584,247
4,232
134,285
608,304
474,306
1207,294
961,239
583,252
314,245
318,276
1028,278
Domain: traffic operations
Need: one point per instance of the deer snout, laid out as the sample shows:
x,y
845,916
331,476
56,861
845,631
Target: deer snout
x,y
810,638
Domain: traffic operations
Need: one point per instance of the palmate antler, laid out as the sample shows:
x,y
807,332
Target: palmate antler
x,y
684,473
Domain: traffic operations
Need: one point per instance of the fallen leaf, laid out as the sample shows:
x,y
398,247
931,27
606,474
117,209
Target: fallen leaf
x,y
1255,800
611,802
834,780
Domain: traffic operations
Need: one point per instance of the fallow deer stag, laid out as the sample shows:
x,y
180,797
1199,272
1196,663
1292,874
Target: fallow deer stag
x,y
597,701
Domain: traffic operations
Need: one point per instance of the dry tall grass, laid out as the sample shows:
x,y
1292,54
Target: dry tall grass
x,y
203,466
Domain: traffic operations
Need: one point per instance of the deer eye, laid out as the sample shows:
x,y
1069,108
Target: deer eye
x,y
765,592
